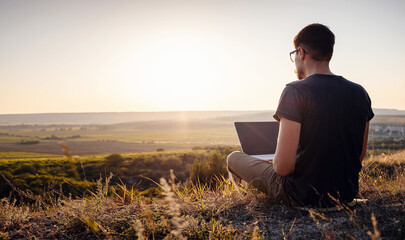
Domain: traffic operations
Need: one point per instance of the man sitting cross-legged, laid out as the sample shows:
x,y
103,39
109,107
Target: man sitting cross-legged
x,y
324,120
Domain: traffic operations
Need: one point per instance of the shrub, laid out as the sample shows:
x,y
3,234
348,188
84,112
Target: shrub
x,y
114,160
25,169
209,170
200,172
217,164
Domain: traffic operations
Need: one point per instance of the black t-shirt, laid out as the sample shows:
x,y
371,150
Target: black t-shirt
x,y
333,113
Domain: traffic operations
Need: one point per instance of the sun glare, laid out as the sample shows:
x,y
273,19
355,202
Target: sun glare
x,y
179,74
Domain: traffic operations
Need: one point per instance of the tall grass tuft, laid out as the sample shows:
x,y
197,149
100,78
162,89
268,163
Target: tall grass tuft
x,y
11,215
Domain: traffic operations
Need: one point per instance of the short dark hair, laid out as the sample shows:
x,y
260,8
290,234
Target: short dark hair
x,y
318,40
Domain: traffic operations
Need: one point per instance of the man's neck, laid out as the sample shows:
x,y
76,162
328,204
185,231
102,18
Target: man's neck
x,y
318,68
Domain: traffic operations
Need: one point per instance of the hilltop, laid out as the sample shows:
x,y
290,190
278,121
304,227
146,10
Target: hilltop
x,y
201,212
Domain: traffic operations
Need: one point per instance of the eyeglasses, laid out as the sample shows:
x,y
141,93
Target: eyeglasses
x,y
292,55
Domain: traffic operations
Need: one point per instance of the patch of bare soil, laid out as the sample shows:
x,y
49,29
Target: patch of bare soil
x,y
280,222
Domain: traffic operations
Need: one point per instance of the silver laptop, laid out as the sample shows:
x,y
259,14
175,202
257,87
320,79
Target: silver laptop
x,y
258,139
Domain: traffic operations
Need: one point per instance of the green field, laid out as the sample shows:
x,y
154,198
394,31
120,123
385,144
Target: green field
x,y
26,156
196,133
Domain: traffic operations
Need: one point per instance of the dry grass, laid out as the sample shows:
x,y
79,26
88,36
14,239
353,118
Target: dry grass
x,y
198,212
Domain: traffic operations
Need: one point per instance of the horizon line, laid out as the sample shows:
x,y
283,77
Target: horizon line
x,y
168,111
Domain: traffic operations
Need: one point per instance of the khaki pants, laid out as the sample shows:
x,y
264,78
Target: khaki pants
x,y
257,173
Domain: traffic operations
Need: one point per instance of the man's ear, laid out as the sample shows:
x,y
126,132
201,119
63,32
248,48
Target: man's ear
x,y
301,53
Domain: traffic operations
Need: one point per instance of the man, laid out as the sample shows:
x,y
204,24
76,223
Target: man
x,y
322,140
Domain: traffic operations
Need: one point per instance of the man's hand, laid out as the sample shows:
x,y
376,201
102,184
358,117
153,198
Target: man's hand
x,y
270,161
287,145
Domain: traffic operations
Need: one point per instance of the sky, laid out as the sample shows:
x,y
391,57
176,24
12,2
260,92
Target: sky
x,y
170,55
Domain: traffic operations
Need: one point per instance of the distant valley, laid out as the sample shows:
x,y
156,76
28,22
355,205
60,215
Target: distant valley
x,y
105,133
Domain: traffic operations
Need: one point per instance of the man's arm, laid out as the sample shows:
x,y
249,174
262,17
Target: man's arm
x,y
365,139
287,145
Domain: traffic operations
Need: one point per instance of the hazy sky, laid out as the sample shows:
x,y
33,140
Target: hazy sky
x,y
113,56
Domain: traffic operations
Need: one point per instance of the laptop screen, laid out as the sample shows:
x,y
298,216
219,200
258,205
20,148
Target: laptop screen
x,y
257,137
